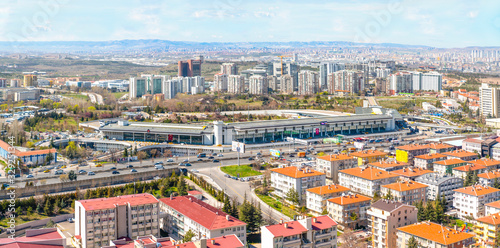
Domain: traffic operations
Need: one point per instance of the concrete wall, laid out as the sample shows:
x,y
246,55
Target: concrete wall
x,y
89,183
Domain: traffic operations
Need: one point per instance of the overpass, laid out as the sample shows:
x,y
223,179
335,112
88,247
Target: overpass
x,y
96,144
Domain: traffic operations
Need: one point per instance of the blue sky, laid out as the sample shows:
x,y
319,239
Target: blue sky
x,y
440,23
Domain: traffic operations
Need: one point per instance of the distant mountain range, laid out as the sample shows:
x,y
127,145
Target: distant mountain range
x,y
165,45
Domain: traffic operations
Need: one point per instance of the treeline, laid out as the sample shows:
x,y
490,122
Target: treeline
x,y
433,210
49,205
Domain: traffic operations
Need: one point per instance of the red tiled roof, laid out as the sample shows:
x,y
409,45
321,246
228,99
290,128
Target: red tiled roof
x,y
460,154
477,190
470,167
431,156
34,240
322,222
369,173
292,228
194,192
295,172
435,232
205,214
349,199
490,174
485,162
411,172
106,203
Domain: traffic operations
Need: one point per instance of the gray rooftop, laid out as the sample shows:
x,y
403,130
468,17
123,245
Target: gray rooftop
x,y
434,179
387,205
166,128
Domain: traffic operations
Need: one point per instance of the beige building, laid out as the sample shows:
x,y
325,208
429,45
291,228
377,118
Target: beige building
x,y
407,192
364,180
99,221
349,210
316,197
332,164
285,179
384,217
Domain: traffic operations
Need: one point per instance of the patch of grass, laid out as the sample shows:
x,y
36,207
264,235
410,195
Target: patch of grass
x,y
245,103
77,96
242,170
118,95
278,205
460,223
32,217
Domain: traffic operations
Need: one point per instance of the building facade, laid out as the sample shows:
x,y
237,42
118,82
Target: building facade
x,y
432,235
407,192
365,181
316,197
332,164
350,211
440,186
470,201
285,179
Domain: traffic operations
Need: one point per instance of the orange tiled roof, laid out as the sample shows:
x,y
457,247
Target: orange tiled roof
x,y
470,167
368,153
295,172
485,162
412,172
405,186
336,157
459,154
349,199
431,156
450,161
436,233
477,190
495,204
328,189
369,173
439,146
388,164
413,147
490,174
493,219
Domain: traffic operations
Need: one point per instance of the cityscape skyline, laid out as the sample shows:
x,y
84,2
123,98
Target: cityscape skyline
x,y
443,24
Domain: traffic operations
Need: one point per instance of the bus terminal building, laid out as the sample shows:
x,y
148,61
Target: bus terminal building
x,y
257,132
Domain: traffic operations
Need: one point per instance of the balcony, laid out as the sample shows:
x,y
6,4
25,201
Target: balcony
x,y
291,241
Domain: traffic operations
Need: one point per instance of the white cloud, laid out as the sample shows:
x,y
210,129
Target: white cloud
x,y
472,14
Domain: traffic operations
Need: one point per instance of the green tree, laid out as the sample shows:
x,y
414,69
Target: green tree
x,y
325,211
293,196
353,216
72,175
50,224
412,243
430,214
496,184
388,196
48,209
188,236
227,208
49,158
125,152
376,196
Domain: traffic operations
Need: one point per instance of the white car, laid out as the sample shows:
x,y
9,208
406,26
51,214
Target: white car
x,y
220,155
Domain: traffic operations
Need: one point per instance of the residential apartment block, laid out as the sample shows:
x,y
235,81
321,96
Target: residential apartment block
x,y
332,164
407,192
308,232
369,156
492,208
426,161
316,197
472,145
287,178
446,166
388,165
470,201
349,210
364,180
489,178
440,185
406,153
384,217
461,154
411,173
490,164
432,235
486,229
99,221
184,213
461,171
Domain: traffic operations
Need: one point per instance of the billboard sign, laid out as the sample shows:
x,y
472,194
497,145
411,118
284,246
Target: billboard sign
x,y
275,153
238,147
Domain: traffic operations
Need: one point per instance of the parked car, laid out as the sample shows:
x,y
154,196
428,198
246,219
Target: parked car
x,y
185,160
199,160
159,167
112,168
211,157
115,172
170,160
220,155
133,170
82,172
29,176
187,164
130,166
90,173
71,220
181,164
250,158
216,161
159,163
258,154
59,172
227,175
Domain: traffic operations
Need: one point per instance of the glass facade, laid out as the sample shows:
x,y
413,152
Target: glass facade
x,y
161,138
141,87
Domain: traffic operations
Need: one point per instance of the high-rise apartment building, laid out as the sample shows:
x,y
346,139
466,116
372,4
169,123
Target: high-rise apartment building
x,y
99,221
229,69
489,99
30,80
274,83
3,82
401,82
220,82
346,80
431,81
236,84
291,69
326,68
147,84
286,84
308,83
258,85
382,72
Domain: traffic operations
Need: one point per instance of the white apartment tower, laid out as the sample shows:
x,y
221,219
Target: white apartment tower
x,y
489,98
308,83
258,85
236,84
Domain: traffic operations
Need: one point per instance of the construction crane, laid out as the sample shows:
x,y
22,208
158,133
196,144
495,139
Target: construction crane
x,y
281,57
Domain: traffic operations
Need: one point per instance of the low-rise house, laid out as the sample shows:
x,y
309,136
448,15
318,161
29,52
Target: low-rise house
x,y
37,238
388,165
364,180
492,208
440,185
411,173
426,161
461,171
316,197
349,210
384,217
470,201
225,241
486,229
461,154
332,164
299,179
432,235
407,192
308,232
369,156
446,166
489,178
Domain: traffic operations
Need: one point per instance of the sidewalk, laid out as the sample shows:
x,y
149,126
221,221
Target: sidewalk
x,y
206,196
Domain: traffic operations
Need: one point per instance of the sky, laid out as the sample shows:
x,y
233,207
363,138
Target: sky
x,y
437,23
